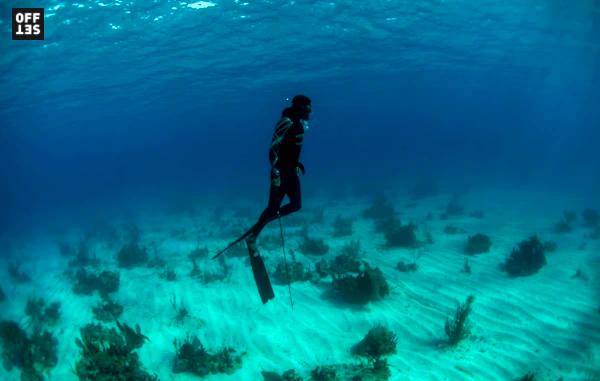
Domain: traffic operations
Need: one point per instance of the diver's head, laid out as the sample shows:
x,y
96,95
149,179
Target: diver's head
x,y
302,106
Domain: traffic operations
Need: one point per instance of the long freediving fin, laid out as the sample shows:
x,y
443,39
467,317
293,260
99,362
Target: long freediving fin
x,y
232,244
261,276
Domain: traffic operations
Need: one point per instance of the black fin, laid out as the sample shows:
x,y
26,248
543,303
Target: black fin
x,y
232,244
261,277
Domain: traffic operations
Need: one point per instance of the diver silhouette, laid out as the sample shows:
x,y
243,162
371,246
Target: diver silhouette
x,y
284,156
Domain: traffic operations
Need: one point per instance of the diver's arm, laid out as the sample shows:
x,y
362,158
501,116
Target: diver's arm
x,y
282,127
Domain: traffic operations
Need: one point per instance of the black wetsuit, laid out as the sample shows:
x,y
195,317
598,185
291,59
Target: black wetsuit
x,y
284,156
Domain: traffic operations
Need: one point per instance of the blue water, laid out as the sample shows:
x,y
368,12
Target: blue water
x,y
126,105
122,97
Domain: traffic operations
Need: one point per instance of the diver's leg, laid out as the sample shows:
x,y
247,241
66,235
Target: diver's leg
x,y
276,195
294,195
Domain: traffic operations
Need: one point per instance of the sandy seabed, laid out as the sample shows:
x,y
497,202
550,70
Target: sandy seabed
x,y
547,323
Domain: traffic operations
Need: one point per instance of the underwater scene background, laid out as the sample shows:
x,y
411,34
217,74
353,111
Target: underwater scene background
x,y
449,227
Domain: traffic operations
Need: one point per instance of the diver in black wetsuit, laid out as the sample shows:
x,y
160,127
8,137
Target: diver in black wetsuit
x,y
284,156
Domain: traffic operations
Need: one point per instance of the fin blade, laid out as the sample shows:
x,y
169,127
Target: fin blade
x,y
232,244
261,277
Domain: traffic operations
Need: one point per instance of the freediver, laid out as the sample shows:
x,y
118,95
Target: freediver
x,y
284,157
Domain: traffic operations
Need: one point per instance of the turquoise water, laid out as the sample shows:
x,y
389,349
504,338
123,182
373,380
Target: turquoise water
x,y
146,126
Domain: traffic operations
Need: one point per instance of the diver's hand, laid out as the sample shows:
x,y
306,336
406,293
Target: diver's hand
x,y
275,177
300,169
